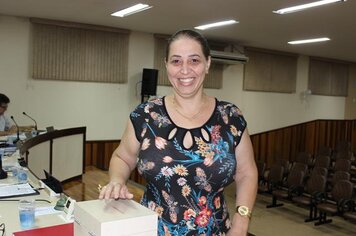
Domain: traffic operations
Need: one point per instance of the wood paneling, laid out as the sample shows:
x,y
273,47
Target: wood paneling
x,y
283,143
98,153
286,143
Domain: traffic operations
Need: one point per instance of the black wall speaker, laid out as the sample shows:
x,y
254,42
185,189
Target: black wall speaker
x,y
149,82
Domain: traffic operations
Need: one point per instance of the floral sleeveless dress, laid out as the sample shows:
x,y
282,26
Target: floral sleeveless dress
x,y
185,185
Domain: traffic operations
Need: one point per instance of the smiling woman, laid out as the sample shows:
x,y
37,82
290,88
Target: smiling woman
x,y
187,68
212,80
190,146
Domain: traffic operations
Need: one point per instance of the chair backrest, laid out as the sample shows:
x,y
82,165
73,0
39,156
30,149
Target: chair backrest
x,y
295,178
300,166
275,174
324,151
304,157
343,189
316,183
284,163
317,170
322,161
340,175
261,167
344,154
343,165
343,146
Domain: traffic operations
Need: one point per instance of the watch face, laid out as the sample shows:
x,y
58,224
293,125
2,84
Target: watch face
x,y
243,211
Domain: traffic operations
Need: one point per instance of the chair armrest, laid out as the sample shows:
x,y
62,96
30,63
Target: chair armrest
x,y
273,185
294,191
345,205
318,197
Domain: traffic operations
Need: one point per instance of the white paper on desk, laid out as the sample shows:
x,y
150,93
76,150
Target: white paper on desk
x,y
10,149
10,180
16,189
46,211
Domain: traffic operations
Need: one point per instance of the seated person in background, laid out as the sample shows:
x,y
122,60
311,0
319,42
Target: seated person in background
x,y
6,125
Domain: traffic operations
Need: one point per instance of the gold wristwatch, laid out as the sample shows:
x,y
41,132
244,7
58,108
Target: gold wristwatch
x,y
243,211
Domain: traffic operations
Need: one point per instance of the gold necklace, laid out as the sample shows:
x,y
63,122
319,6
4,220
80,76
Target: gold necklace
x,y
187,117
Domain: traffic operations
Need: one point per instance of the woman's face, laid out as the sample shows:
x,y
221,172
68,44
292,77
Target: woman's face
x,y
186,66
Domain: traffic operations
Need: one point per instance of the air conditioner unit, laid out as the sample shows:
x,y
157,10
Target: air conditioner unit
x,y
228,57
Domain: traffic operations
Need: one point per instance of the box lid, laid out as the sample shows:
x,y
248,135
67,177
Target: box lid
x,y
113,210
103,216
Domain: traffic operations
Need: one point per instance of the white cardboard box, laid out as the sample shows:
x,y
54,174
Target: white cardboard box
x,y
113,218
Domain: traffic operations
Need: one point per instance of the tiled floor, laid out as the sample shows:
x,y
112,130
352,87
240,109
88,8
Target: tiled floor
x,y
288,220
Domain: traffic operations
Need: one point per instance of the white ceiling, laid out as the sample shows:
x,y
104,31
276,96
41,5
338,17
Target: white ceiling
x,y
258,26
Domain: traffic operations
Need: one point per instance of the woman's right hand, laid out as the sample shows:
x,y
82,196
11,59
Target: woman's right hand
x,y
115,190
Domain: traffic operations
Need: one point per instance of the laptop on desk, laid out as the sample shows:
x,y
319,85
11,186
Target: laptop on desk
x,y
52,182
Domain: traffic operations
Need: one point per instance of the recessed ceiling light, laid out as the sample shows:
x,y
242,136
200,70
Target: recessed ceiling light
x,y
305,6
316,40
131,10
216,24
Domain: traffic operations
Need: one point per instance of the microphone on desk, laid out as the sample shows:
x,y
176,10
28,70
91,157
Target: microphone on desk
x,y
18,129
31,119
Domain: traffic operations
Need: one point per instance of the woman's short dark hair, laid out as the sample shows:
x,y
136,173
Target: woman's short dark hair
x,y
192,35
4,99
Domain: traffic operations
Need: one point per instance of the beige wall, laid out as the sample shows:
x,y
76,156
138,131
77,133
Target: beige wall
x,y
104,108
